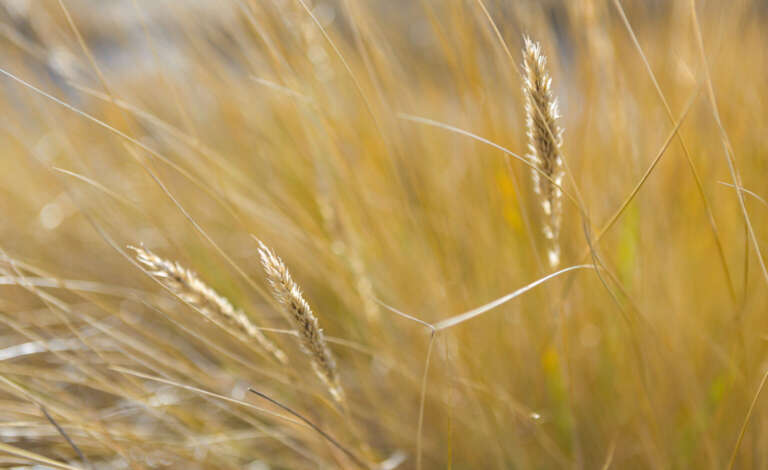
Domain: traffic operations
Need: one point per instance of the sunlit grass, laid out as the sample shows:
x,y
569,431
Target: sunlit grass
x,y
380,148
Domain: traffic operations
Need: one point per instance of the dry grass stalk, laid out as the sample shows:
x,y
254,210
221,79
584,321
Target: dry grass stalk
x,y
288,293
544,140
350,255
190,288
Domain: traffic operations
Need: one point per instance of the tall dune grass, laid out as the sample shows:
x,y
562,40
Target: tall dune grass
x,y
380,147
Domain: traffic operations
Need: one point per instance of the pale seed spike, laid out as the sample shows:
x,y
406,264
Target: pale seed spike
x,y
288,293
190,288
544,140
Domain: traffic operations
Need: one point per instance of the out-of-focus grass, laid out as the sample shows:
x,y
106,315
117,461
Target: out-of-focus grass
x,y
342,139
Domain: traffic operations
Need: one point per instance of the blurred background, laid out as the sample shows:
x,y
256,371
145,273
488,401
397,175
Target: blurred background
x,y
377,146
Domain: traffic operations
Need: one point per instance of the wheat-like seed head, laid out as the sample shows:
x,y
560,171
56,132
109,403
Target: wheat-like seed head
x,y
190,288
288,293
544,140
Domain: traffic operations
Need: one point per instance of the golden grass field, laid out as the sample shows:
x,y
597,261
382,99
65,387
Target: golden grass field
x,y
402,312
